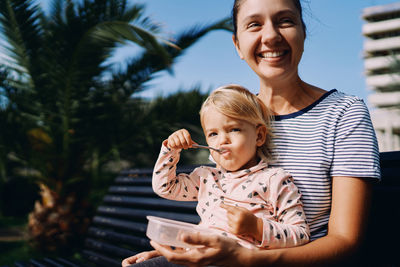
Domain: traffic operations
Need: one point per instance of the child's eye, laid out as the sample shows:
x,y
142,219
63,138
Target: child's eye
x,y
212,134
235,130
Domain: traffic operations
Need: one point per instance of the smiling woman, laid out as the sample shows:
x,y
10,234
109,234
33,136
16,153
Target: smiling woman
x,y
271,40
324,138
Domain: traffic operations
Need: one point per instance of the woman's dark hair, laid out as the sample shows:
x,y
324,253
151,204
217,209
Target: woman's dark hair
x,y
236,7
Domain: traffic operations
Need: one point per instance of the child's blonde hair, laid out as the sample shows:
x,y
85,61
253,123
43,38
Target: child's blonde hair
x,y
237,102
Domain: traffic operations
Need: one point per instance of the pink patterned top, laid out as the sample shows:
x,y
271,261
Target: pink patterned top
x,y
269,193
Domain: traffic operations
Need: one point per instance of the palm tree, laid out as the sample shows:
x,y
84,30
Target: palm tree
x,y
68,114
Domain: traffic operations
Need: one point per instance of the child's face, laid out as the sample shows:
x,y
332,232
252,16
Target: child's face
x,y
238,139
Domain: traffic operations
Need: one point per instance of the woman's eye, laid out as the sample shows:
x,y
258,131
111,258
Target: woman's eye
x,y
286,22
252,25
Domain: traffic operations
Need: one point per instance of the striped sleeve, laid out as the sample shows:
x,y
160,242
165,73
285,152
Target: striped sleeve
x,y
356,151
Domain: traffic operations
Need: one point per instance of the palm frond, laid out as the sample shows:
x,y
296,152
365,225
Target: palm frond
x,y
135,15
142,68
193,34
110,33
20,26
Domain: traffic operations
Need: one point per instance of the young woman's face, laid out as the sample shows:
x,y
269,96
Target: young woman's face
x,y
270,37
237,138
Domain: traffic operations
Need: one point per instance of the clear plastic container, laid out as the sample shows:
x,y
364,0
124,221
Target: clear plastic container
x,y
167,232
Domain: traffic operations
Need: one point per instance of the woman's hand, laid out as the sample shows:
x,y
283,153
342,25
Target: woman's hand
x,y
242,222
217,250
140,257
180,139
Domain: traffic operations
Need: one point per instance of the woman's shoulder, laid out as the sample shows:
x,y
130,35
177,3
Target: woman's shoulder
x,y
330,96
329,103
339,97
338,101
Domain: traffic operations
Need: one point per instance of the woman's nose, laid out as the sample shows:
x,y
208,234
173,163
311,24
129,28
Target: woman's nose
x,y
270,34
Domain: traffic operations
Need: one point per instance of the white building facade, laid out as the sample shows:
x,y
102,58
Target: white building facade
x,y
382,69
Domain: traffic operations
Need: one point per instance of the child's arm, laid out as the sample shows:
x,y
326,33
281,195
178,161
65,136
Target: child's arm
x,y
289,227
241,221
179,139
166,183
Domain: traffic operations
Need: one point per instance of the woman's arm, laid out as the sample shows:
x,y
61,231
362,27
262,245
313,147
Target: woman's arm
x,y
142,256
349,212
350,204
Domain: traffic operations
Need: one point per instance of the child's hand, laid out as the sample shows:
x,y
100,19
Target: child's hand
x,y
140,257
180,139
242,222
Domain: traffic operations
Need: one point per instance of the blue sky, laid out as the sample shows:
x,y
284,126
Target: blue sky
x,y
332,57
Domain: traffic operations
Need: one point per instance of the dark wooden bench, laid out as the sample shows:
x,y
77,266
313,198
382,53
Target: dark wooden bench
x,y
381,246
118,229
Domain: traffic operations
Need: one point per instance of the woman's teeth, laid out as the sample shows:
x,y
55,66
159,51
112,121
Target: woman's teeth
x,y
271,54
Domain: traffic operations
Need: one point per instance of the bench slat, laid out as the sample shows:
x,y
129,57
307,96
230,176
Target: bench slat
x,y
108,248
36,263
133,180
137,172
120,238
122,224
68,262
132,190
101,260
136,213
150,202
52,262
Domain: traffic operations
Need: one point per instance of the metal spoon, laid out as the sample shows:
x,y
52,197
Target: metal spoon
x,y
207,147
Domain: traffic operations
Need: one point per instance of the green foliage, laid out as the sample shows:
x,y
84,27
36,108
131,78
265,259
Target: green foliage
x,y
70,120
168,114
13,251
66,122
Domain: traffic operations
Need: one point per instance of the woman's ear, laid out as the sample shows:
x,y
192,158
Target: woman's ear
x,y
236,44
261,132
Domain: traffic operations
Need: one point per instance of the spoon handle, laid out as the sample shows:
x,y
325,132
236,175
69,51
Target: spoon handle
x,y
206,147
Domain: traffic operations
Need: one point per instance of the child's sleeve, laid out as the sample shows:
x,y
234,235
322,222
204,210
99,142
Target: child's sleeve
x,y
167,184
289,227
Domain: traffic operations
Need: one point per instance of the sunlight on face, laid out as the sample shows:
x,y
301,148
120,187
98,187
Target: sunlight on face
x,y
270,38
237,139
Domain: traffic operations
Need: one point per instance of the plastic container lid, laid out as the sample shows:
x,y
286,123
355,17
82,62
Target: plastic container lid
x,y
167,231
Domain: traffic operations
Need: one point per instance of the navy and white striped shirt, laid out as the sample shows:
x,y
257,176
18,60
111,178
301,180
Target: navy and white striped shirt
x,y
332,137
